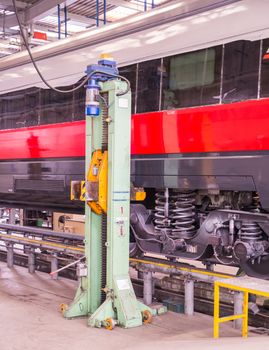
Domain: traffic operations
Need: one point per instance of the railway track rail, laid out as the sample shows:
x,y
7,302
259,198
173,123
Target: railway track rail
x,y
203,299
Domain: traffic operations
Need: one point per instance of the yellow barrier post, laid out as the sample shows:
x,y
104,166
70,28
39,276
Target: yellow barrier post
x,y
245,318
216,310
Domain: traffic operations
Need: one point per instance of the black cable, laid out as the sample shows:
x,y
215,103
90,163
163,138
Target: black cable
x,y
33,61
121,93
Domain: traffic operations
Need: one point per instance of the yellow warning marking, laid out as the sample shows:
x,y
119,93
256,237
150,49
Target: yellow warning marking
x,y
82,191
45,243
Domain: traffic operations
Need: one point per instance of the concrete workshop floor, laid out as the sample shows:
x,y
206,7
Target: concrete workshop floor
x,y
30,320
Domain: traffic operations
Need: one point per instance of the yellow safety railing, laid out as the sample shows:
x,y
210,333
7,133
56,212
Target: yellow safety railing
x,y
218,319
259,287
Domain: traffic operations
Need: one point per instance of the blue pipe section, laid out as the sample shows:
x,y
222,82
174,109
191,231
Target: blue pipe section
x,y
97,13
145,5
104,11
65,21
59,21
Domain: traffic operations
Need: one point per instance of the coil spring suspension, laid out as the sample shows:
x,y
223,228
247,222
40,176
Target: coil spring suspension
x,y
256,203
251,232
162,218
183,215
174,213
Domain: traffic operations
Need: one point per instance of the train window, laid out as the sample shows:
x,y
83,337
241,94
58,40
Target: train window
x,y
56,107
79,101
148,91
1,107
192,79
190,70
2,111
129,72
240,71
32,106
14,115
19,109
265,69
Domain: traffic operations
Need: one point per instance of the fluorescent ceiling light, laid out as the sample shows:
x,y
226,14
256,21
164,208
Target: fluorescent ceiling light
x,y
119,12
6,12
140,4
74,26
4,45
52,20
3,52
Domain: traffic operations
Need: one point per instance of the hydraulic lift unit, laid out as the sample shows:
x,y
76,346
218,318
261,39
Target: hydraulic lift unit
x,y
105,293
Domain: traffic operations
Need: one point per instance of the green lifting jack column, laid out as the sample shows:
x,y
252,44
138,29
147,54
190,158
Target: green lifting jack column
x,y
112,122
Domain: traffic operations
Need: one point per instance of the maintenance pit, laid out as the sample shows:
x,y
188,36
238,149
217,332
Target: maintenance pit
x,y
30,303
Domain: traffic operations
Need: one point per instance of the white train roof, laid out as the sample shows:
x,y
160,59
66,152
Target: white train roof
x,y
157,33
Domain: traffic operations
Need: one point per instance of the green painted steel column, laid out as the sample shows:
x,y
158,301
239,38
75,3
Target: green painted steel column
x,y
88,295
93,221
121,306
118,226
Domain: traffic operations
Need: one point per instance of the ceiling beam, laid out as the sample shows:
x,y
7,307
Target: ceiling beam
x,y
7,4
78,18
42,8
39,9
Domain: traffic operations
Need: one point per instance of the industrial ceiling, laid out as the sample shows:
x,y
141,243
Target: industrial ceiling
x,y
49,20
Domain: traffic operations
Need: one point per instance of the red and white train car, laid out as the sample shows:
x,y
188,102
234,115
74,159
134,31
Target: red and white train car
x,y
200,127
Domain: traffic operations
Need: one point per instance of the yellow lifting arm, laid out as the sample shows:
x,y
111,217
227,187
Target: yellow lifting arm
x,y
96,185
94,190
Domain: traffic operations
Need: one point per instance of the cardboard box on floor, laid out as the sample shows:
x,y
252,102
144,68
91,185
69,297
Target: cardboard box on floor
x,y
71,223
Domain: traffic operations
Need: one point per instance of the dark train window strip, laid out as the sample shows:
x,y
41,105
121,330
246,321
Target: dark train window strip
x,y
222,74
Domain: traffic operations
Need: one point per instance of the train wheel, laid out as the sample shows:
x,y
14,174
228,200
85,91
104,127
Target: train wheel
x,y
258,269
134,250
146,317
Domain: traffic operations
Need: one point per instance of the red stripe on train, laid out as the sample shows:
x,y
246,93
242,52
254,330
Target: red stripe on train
x,y
242,126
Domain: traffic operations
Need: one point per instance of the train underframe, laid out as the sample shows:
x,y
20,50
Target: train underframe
x,y
229,228
211,207
208,207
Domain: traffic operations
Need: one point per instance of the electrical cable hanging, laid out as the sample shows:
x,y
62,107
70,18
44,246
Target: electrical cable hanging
x,y
45,81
